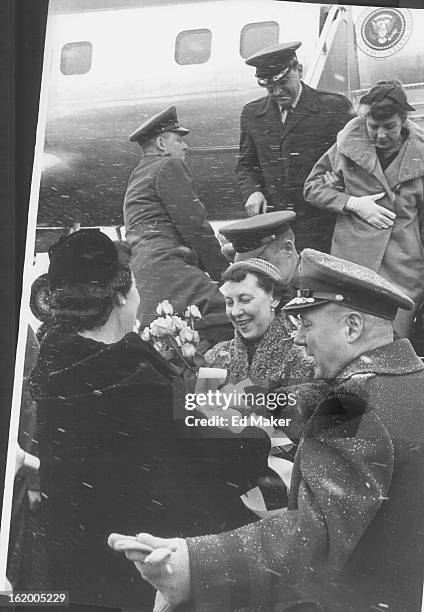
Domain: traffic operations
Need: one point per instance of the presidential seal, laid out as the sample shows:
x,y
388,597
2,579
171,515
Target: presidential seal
x,y
382,32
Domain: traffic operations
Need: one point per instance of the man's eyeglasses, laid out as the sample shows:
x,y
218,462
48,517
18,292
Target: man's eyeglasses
x,y
269,81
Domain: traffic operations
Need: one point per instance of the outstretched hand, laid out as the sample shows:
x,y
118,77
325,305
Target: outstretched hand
x,y
162,562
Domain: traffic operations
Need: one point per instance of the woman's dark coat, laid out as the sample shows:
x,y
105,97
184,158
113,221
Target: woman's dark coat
x,y
115,458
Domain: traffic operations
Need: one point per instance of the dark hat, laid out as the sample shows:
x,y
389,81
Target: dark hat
x,y
274,59
165,121
256,232
324,278
387,90
85,256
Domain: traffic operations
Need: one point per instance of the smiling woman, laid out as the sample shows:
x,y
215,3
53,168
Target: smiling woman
x,y
262,349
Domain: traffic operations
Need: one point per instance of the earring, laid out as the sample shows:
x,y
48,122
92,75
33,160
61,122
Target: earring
x,y
272,308
123,302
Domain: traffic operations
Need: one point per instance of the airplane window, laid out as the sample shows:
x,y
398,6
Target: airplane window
x,y
193,46
76,58
257,36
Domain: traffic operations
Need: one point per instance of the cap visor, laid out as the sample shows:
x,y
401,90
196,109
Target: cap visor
x,y
298,307
181,130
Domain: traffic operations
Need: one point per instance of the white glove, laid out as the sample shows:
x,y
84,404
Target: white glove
x,y
256,204
366,208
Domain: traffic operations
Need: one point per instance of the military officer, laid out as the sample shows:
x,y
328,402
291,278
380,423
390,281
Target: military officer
x,y
175,254
282,135
268,237
352,537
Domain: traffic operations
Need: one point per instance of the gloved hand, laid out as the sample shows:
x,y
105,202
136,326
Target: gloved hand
x,y
366,208
256,204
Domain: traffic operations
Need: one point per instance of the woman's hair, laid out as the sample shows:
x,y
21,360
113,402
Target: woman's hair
x,y
387,107
279,291
88,305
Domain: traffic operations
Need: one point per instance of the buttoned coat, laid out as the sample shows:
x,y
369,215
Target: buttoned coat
x,y
276,160
175,254
396,252
353,535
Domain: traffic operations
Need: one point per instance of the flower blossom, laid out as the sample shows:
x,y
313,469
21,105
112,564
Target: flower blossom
x,y
164,308
192,312
178,323
187,334
145,334
188,350
161,327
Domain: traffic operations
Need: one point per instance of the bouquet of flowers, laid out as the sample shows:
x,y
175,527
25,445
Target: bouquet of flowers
x,y
175,338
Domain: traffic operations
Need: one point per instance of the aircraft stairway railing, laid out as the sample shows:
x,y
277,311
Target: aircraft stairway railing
x,y
336,14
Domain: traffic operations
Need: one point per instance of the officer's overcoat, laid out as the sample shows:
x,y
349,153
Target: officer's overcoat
x,y
353,536
276,160
396,252
174,248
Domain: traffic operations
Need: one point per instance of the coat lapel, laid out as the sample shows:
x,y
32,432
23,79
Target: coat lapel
x,y
353,142
409,164
269,113
307,104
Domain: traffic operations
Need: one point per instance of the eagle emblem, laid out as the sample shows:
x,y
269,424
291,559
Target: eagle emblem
x,y
383,31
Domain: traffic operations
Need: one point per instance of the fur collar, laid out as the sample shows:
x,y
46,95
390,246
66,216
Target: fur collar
x,y
353,142
272,361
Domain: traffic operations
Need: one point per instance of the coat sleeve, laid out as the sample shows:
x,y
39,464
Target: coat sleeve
x,y
248,168
343,471
317,193
175,188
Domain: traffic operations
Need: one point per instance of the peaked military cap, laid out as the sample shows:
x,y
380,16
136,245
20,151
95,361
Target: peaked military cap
x,y
324,278
84,256
387,90
164,121
272,60
255,232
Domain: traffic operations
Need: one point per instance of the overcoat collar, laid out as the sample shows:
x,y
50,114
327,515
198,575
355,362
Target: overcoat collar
x,y
70,365
269,354
395,359
353,142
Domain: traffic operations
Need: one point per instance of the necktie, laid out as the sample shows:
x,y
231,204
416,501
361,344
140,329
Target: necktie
x,y
286,114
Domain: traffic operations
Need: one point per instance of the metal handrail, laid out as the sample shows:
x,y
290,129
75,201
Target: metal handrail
x,y
335,15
